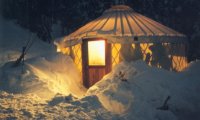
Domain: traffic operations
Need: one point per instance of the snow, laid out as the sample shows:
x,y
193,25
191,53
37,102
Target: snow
x,y
44,76
31,107
135,95
13,38
46,72
146,89
50,86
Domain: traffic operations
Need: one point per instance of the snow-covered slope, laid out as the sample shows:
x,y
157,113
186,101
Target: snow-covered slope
x,y
136,91
46,72
44,76
13,38
130,91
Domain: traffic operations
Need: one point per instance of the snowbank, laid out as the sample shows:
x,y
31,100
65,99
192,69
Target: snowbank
x,y
46,72
136,91
44,76
13,38
130,91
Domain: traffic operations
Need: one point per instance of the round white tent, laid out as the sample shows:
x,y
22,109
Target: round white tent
x,y
129,36
122,24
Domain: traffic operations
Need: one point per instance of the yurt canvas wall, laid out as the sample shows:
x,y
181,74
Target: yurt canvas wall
x,y
170,56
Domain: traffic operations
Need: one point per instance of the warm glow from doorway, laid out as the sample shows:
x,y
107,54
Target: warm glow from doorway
x,y
96,52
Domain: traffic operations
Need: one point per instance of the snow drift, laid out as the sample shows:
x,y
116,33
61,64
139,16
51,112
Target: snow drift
x,y
46,72
130,91
44,76
136,91
13,38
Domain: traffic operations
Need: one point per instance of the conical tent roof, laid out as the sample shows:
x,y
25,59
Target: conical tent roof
x,y
121,24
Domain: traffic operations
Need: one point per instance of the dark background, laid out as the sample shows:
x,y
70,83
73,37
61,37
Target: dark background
x,y
39,15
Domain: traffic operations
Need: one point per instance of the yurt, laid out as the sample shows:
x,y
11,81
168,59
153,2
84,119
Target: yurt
x,y
121,34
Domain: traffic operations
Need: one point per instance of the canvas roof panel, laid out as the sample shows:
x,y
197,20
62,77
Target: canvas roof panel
x,y
120,22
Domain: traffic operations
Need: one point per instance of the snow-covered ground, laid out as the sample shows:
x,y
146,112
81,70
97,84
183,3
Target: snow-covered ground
x,y
44,76
136,91
135,95
20,106
50,86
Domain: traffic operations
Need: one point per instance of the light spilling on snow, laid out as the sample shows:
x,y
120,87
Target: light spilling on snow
x,y
46,72
136,91
44,76
62,49
114,94
96,52
58,50
130,91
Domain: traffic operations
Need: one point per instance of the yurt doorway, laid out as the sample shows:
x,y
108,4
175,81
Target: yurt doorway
x,y
96,55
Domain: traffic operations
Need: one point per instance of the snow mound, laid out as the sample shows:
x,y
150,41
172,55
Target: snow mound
x,y
130,91
114,93
137,91
44,76
13,38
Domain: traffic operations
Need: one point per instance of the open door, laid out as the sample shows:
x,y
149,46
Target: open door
x,y
96,55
